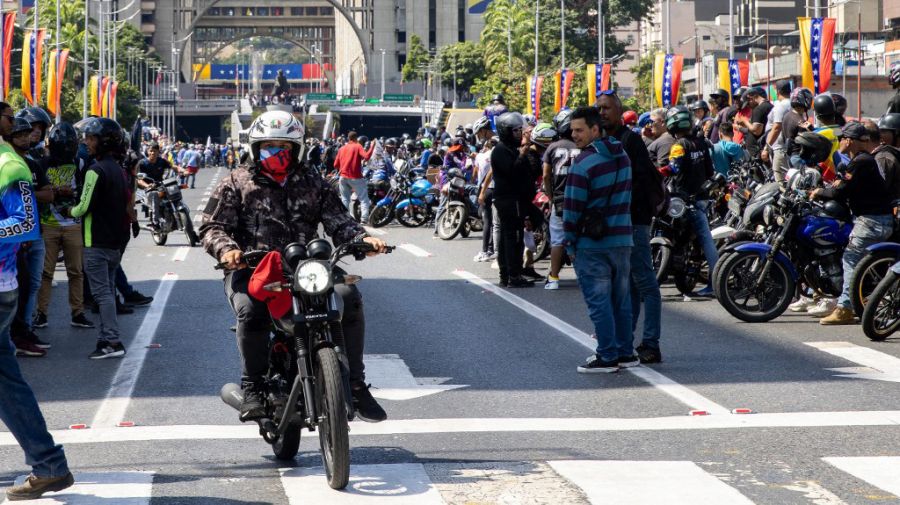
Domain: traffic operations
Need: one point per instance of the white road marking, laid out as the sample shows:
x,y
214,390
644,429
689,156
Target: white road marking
x,y
415,250
112,410
121,488
204,199
207,193
687,396
200,208
181,253
396,382
647,482
875,365
398,484
814,492
881,472
101,434
374,231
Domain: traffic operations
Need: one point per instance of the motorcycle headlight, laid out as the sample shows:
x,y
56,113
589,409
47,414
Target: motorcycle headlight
x,y
313,277
676,207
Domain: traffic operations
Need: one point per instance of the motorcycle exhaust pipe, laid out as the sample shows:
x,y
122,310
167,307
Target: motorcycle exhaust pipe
x,y
232,395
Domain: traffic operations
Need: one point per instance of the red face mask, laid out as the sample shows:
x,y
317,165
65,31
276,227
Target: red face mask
x,y
275,166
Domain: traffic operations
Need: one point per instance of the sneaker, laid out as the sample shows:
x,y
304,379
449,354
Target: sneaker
x,y
840,315
531,273
491,256
802,305
629,361
106,349
36,340
253,405
706,292
81,321
480,257
597,365
40,320
552,284
26,348
520,282
137,298
824,307
648,355
365,405
34,487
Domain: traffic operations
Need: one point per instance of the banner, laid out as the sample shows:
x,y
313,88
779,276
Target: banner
x,y
55,75
535,86
94,92
104,93
562,84
816,45
32,58
597,80
733,74
6,40
667,75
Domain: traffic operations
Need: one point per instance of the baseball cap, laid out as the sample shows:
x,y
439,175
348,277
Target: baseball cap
x,y
854,130
755,91
644,119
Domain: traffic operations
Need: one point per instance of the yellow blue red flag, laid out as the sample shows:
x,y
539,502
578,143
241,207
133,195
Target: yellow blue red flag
x,y
32,57
816,45
733,74
562,84
597,80
667,72
533,105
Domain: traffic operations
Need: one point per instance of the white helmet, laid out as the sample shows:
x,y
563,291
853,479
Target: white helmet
x,y
482,123
276,125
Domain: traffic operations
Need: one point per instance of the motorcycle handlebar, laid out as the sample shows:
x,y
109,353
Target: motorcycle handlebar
x,y
357,249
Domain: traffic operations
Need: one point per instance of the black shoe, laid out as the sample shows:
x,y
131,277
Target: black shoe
x,y
80,321
123,308
629,361
40,320
649,355
136,298
365,405
504,283
254,404
531,273
597,365
520,282
107,349
36,340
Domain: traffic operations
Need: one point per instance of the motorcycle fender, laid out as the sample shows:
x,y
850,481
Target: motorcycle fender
x,y
734,245
661,241
722,232
384,202
763,249
893,247
406,203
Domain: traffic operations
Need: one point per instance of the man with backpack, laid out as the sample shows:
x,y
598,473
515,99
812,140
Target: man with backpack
x,y
647,198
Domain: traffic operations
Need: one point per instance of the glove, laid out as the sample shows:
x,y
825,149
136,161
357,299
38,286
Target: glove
x,y
135,229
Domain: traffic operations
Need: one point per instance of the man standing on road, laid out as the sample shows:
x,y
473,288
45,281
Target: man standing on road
x,y
774,139
349,162
646,193
663,140
509,186
18,407
597,222
557,160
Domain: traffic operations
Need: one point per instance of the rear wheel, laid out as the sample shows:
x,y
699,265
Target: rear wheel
x,y
412,216
381,215
740,293
286,447
866,276
334,442
881,315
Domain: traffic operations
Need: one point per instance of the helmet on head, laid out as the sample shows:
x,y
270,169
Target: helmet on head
x,y
801,97
644,120
700,104
840,103
629,117
482,123
409,143
63,140
894,74
276,125
20,125
530,119
678,118
739,95
720,96
498,98
362,139
507,124
468,128
824,105
447,142
391,142
562,122
107,131
890,121
419,145
35,115
814,148
427,143
544,134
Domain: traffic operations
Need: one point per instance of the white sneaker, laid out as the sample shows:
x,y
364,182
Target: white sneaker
x,y
480,257
551,284
823,308
492,256
495,265
802,305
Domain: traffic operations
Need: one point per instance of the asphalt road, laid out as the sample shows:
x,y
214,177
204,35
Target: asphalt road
x,y
487,406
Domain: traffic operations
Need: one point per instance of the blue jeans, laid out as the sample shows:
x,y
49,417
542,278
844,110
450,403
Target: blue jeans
x,y
867,230
604,277
645,288
19,410
699,221
361,188
122,282
34,266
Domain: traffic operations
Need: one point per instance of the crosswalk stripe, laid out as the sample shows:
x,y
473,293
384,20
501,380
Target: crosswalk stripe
x,y
391,484
647,482
100,488
881,471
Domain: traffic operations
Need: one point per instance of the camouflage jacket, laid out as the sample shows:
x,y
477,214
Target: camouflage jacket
x,y
248,212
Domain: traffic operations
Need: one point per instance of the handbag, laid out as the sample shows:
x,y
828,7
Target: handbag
x,y
592,222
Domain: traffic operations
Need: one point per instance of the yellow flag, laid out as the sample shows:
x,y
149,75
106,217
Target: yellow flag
x,y
95,96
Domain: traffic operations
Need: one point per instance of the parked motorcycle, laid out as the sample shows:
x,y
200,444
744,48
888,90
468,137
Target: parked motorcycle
x,y
416,204
173,213
307,384
881,314
462,214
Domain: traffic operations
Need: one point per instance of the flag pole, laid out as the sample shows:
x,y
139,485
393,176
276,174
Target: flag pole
x,y
58,77
85,65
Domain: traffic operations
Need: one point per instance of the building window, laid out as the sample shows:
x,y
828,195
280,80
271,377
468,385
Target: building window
x,y
262,11
213,11
326,11
461,36
401,60
296,11
432,23
312,11
401,37
146,18
461,19
277,11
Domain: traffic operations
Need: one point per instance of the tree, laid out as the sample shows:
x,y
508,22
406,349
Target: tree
x,y
464,60
416,58
644,72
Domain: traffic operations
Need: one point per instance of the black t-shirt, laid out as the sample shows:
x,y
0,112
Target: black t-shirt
x,y
155,171
560,156
863,188
643,175
760,113
790,128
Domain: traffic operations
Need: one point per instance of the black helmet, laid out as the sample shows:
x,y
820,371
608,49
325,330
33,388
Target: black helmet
x,y
498,98
409,143
739,95
391,142
63,140
801,97
362,139
840,103
720,96
107,130
678,118
447,142
562,122
699,104
507,124
824,105
419,146
36,115
890,121
894,74
814,148
20,125
836,210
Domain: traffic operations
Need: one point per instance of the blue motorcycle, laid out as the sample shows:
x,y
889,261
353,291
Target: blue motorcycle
x,y
415,204
805,244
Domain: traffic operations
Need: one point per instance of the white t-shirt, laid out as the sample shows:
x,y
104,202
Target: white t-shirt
x,y
483,162
776,115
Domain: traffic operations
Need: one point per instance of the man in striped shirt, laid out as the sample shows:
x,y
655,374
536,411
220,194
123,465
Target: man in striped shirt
x,y
600,179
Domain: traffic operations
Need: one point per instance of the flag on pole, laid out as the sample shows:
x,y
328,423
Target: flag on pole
x,y
597,80
667,72
816,44
111,98
733,74
104,96
6,40
32,53
55,75
562,84
94,92
533,106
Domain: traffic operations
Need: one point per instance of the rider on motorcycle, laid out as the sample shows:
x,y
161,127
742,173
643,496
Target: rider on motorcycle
x,y
266,206
154,167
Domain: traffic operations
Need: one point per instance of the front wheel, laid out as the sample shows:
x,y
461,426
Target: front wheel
x,y
452,221
159,237
867,275
662,261
334,441
881,315
739,291
188,225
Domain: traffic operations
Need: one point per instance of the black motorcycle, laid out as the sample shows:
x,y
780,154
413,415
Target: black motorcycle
x,y
462,215
173,213
307,385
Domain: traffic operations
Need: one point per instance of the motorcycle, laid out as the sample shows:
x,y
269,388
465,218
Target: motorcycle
x,y
462,214
416,205
542,233
382,212
173,213
881,314
307,384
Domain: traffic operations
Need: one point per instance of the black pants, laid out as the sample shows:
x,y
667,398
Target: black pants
x,y
511,246
487,219
254,322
